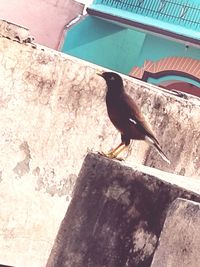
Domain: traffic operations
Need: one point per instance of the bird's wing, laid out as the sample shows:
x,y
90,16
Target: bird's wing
x,y
136,117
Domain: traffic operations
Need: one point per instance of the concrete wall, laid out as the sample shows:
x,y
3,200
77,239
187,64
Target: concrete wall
x,y
116,216
52,111
179,241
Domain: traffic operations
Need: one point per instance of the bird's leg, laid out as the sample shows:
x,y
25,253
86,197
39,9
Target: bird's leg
x,y
112,154
119,149
116,151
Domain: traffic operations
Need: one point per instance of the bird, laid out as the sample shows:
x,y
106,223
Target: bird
x,y
126,116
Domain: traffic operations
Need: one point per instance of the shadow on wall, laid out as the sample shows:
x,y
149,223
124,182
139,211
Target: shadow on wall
x,y
104,43
2,265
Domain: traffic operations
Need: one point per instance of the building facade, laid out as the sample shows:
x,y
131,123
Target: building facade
x,y
156,41
46,19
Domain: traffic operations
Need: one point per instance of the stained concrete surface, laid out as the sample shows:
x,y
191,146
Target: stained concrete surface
x,y
61,97
115,217
179,243
52,111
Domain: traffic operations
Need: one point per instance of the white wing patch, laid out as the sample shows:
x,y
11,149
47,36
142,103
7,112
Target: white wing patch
x,y
133,121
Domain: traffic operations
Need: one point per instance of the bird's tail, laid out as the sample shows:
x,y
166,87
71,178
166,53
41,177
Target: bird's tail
x,y
157,146
155,143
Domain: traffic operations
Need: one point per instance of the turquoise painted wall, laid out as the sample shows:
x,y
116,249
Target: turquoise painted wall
x,y
154,48
104,43
118,48
157,47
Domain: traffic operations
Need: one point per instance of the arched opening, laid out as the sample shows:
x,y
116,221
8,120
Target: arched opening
x,y
172,73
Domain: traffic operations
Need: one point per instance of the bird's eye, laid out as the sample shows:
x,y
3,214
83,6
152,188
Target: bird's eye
x,y
112,78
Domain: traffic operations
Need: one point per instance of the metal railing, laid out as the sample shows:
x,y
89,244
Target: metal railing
x,y
172,11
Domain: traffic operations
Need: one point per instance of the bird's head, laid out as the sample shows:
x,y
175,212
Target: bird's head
x,y
113,80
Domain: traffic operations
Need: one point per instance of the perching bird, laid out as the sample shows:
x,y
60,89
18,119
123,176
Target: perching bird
x,y
126,116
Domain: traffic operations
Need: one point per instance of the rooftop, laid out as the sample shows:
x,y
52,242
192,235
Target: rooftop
x,y
179,19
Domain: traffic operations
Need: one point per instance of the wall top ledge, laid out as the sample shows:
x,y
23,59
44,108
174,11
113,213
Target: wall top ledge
x,y
15,32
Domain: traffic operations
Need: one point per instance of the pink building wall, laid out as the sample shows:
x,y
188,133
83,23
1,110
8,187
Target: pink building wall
x,y
44,18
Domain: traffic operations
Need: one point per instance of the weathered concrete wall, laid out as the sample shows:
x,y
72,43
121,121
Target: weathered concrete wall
x,y
52,112
115,217
179,243
67,97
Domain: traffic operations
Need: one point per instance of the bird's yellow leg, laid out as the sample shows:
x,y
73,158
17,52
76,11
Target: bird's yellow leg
x,y
111,154
115,152
119,150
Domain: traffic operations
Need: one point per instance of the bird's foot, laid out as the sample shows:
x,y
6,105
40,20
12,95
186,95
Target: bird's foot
x,y
110,155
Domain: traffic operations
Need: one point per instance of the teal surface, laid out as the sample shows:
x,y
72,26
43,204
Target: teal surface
x,y
105,44
156,47
181,17
120,49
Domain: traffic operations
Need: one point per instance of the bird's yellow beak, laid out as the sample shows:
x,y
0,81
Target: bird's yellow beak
x,y
100,73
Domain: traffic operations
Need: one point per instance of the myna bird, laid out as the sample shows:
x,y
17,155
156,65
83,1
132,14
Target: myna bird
x,y
126,116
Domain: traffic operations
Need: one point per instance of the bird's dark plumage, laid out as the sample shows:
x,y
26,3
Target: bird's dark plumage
x,y
125,115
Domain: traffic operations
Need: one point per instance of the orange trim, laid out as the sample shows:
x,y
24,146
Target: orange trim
x,y
185,65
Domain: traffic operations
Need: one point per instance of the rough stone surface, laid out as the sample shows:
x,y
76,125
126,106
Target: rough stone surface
x,y
115,216
179,243
52,111
15,32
